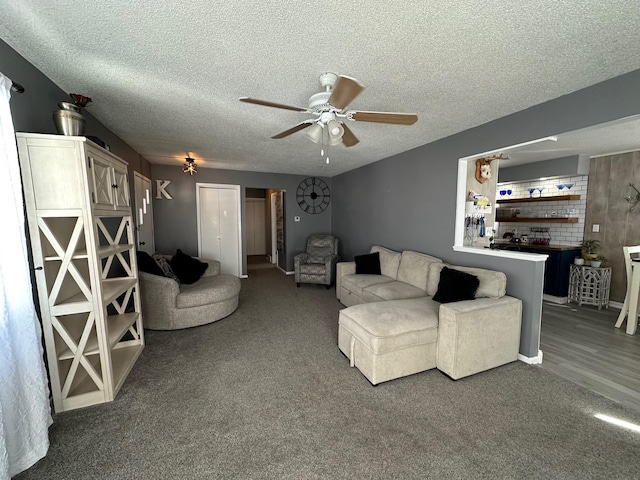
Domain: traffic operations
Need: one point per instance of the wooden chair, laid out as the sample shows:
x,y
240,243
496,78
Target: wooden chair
x,y
629,254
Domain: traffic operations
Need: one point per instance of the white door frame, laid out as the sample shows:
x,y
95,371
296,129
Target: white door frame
x,y
274,230
220,186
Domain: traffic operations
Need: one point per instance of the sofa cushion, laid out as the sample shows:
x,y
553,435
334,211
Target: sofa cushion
x,y
208,290
414,268
492,284
354,283
313,269
391,291
186,268
388,326
389,261
456,285
368,264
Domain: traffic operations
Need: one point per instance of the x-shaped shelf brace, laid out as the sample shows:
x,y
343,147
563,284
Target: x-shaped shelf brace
x,y
115,241
79,356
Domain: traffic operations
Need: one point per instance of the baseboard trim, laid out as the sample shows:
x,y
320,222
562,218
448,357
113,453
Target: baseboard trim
x,y
284,271
616,305
531,360
554,299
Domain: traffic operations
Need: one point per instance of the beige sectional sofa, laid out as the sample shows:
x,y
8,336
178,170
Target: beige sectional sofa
x,y
392,326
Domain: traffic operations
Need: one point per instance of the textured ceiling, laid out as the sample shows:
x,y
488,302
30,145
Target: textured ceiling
x,y
166,76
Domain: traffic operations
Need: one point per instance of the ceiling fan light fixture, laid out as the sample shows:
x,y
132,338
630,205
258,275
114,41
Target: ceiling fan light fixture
x,y
335,130
315,133
335,140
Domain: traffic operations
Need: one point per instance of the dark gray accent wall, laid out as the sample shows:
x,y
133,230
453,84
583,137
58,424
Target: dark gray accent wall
x,y
408,201
175,221
32,110
572,165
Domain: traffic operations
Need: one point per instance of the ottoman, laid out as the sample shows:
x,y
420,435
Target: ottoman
x,y
387,340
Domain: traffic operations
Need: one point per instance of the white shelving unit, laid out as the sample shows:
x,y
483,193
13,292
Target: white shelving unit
x,y
82,239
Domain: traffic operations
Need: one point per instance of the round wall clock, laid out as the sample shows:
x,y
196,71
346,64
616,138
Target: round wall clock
x,y
313,195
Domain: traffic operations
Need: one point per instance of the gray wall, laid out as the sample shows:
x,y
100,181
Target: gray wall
x,y
408,201
175,220
572,165
32,110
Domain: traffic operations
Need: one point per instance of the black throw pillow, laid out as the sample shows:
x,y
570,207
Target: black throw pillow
x,y
456,285
147,264
368,264
187,269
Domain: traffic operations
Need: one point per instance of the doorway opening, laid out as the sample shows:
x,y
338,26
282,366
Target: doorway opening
x,y
264,227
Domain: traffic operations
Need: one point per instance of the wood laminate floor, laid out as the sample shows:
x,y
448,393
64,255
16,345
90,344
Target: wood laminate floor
x,y
582,345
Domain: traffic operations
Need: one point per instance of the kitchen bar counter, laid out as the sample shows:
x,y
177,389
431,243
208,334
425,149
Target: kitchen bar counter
x,y
524,247
556,272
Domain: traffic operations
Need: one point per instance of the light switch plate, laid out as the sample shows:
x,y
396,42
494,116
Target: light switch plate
x,y
595,228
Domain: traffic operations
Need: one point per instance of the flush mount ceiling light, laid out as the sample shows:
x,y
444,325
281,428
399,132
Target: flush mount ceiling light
x,y
190,166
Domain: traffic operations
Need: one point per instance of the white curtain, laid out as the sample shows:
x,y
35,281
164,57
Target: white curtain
x,y
25,413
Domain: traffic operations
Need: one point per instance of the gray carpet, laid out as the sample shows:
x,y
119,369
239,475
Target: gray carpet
x,y
266,394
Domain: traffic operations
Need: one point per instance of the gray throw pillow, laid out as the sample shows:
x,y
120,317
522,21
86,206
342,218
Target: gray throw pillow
x,y
165,267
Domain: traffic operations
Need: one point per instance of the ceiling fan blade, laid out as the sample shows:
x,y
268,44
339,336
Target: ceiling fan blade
x,y
383,117
271,104
348,138
297,128
344,92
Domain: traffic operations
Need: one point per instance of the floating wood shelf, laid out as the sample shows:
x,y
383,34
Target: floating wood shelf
x,y
557,198
538,220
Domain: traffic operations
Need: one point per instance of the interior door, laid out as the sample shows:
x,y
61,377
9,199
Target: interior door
x,y
143,211
219,234
255,223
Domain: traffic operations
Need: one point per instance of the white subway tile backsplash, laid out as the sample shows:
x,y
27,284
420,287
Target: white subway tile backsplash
x,y
560,233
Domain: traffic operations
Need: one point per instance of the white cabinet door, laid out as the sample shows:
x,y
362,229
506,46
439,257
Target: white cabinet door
x,y
101,181
108,182
219,225
121,189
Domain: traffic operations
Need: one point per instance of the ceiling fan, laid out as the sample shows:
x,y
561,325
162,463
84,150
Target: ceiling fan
x,y
329,109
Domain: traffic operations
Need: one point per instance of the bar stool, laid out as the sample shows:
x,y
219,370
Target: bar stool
x,y
630,307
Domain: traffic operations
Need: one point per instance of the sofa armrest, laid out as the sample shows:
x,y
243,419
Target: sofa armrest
x,y
476,335
212,269
157,290
300,258
342,269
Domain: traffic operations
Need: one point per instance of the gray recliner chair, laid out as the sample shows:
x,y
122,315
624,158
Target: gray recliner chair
x,y
318,263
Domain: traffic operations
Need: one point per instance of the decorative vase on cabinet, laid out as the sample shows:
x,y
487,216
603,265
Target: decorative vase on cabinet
x,y
68,119
82,239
